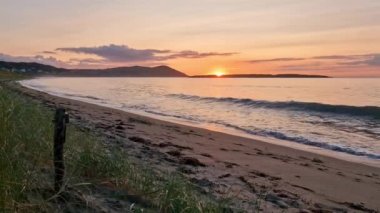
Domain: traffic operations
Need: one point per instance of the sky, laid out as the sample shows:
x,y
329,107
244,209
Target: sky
x,y
329,37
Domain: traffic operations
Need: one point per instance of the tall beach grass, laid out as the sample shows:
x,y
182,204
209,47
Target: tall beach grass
x,y
26,167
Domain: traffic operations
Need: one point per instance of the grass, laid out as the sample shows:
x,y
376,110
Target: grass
x,y
6,75
26,168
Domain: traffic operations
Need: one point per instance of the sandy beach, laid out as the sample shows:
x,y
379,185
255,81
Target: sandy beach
x,y
248,170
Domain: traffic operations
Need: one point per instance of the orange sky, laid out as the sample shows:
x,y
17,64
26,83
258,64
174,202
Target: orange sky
x,y
337,38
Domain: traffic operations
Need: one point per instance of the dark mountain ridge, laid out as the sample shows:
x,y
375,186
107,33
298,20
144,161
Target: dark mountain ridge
x,y
29,68
37,69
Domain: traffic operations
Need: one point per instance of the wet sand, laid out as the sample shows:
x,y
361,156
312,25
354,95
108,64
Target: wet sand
x,y
250,171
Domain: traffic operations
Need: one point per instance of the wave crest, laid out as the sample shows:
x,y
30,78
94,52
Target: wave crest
x,y
369,111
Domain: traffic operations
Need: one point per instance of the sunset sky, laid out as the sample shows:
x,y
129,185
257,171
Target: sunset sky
x,y
332,37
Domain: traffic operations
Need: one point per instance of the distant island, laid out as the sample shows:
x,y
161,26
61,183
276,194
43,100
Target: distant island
x,y
261,76
37,69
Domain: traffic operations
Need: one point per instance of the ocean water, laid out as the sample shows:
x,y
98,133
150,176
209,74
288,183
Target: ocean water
x,y
341,115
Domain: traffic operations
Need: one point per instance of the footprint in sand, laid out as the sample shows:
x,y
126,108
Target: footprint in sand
x,y
230,165
341,174
224,176
174,153
206,155
316,160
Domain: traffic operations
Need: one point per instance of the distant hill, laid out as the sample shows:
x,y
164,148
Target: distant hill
x,y
37,69
261,76
30,68
135,71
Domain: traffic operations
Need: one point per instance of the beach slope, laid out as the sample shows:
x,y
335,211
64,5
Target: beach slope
x,y
256,174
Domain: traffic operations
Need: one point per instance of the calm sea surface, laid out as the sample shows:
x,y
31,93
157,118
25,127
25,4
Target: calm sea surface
x,y
342,115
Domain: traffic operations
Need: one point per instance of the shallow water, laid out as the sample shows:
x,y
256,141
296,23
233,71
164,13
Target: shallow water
x,y
339,114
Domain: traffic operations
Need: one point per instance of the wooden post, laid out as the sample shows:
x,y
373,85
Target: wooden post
x,y
60,120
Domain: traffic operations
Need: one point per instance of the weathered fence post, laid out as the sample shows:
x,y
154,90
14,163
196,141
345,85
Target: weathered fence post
x,y
60,120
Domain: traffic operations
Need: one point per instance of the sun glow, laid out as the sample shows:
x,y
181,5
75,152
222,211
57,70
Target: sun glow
x,y
219,72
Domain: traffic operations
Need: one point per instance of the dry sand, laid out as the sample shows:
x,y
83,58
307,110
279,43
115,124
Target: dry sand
x,y
251,171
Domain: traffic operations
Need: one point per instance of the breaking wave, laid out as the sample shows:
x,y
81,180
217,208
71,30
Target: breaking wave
x,y
369,111
267,133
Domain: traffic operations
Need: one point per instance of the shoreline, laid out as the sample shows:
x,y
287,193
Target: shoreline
x,y
221,129
220,162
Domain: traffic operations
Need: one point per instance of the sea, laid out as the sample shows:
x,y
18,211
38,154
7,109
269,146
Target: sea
x,y
337,116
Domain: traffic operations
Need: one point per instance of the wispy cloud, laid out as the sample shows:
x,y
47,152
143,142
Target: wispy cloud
x,y
195,54
308,67
275,60
323,63
335,57
117,53
124,53
369,59
49,52
375,61
110,56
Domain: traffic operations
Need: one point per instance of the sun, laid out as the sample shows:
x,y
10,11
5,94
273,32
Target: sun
x,y
219,72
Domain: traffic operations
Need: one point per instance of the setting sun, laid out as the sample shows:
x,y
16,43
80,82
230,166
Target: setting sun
x,y
219,72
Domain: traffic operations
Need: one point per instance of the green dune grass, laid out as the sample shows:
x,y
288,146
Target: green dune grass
x,y
26,168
